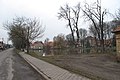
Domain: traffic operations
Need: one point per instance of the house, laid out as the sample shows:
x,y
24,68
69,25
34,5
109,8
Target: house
x,y
117,35
37,46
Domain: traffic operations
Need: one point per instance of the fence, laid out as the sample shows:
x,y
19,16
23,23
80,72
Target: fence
x,y
79,50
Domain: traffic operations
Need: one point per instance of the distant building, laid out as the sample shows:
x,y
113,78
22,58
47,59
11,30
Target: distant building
x,y
37,46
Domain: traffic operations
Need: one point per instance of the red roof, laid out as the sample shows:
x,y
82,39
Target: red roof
x,y
37,42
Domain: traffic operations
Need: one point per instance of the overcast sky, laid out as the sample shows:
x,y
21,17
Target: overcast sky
x,y
46,11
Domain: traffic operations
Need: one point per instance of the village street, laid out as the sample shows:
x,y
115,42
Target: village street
x,y
13,67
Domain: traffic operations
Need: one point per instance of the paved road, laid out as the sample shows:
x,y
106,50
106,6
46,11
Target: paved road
x,y
13,67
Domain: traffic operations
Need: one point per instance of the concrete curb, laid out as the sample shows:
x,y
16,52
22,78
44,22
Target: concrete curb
x,y
37,69
50,71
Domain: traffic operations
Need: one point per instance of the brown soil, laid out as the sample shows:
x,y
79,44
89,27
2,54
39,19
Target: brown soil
x,y
102,66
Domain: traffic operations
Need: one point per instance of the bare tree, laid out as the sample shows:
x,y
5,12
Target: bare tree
x,y
95,14
93,32
71,15
30,28
118,14
83,34
65,13
47,46
59,41
69,40
117,18
108,28
76,12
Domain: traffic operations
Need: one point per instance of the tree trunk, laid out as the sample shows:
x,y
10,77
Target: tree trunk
x,y
78,37
102,37
28,45
72,32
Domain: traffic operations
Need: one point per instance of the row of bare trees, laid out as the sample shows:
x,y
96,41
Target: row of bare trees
x,y
95,14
